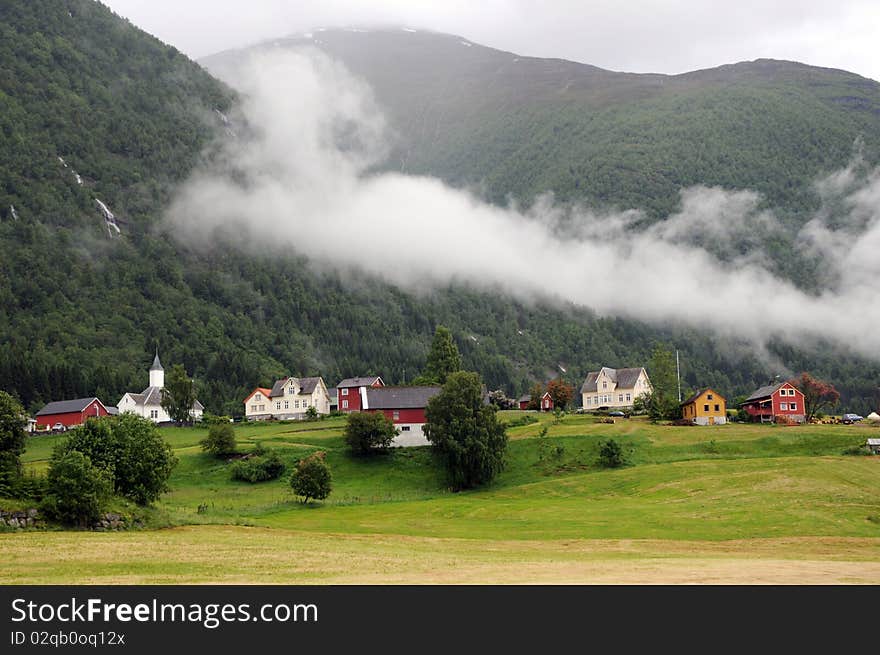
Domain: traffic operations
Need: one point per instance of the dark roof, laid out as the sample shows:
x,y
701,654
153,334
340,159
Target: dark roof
x,y
358,382
156,365
624,378
306,386
67,406
332,392
400,397
112,411
525,399
764,392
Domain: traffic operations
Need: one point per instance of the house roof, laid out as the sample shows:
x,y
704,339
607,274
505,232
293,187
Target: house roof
x,y
358,382
151,396
306,386
624,378
278,387
333,392
400,397
526,398
67,406
699,393
766,391
266,392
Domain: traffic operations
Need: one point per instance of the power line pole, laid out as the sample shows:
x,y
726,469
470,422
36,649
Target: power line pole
x,y
678,374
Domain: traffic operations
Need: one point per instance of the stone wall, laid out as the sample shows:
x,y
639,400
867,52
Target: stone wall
x,y
25,518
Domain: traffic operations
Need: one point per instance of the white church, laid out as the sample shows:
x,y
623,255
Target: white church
x,y
148,403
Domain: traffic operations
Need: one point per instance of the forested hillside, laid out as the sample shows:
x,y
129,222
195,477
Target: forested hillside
x,y
83,304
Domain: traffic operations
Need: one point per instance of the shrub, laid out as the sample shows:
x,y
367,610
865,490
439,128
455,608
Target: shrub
x,y
312,413
258,469
857,450
611,454
367,433
220,441
213,419
525,419
77,489
312,478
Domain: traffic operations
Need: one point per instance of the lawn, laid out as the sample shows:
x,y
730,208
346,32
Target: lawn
x,y
735,503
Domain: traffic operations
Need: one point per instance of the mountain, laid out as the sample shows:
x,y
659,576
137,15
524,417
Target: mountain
x,y
99,122
519,126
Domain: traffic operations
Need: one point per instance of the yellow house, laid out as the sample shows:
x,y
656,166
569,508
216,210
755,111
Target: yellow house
x,y
706,407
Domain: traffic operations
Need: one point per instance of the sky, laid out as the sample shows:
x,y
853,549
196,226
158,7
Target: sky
x,y
657,36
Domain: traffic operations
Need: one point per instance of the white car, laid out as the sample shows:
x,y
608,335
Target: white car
x,y
59,427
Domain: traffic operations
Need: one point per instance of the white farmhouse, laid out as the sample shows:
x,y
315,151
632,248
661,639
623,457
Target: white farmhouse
x,y
148,403
614,387
289,398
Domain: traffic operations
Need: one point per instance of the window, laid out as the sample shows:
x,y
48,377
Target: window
x,y
257,397
717,408
604,384
705,408
345,392
262,408
154,413
291,391
783,407
404,428
253,408
344,404
296,404
628,397
709,396
396,415
792,406
305,403
286,404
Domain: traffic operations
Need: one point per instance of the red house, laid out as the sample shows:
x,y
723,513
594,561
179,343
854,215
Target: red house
x,y
405,406
774,402
546,402
350,392
70,412
524,401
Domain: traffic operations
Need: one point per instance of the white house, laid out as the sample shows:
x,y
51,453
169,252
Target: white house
x,y
148,403
610,387
289,398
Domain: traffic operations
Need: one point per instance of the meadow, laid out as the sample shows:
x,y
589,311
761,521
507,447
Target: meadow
x,y
731,504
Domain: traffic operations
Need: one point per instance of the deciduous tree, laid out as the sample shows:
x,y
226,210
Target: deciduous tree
x,y
311,478
368,433
179,395
818,394
560,393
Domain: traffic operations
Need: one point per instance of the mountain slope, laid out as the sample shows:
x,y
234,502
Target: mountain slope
x,y
82,307
520,126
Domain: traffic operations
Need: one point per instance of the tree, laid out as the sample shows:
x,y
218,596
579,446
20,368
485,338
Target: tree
x,y
129,449
12,440
465,432
179,395
560,392
661,402
367,433
77,489
535,393
443,357
818,394
311,478
220,441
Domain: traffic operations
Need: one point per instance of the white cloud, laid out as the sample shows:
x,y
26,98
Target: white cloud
x,y
304,192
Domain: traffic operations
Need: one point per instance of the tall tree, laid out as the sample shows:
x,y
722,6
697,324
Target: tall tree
x,y
179,395
444,357
12,438
662,401
535,393
818,394
466,432
560,392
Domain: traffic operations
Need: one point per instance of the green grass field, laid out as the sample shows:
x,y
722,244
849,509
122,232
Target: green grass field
x,y
736,503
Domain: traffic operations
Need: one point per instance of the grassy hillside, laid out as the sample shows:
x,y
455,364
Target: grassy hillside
x,y
698,502
82,309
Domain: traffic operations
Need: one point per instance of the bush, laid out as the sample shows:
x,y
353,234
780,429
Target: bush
x,y
312,413
857,450
368,433
611,455
312,478
78,490
130,450
220,441
525,419
213,419
258,469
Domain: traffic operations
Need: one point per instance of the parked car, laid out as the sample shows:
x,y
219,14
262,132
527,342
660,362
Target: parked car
x,y
851,418
616,413
59,427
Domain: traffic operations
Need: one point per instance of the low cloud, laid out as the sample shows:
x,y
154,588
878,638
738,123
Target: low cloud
x,y
303,179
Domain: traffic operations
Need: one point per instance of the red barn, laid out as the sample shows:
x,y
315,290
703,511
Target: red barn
x,y
524,401
405,406
775,401
70,412
350,392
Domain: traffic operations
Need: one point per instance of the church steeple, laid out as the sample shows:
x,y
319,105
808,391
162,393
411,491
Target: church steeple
x,y
157,373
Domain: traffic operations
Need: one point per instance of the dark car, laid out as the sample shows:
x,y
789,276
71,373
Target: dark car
x,y
616,413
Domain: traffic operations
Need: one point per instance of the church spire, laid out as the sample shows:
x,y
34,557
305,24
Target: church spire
x,y
157,373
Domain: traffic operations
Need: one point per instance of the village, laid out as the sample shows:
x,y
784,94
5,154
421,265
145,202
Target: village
x,y
615,393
